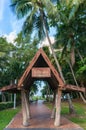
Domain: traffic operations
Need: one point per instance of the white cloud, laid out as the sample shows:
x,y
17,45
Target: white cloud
x,y
2,2
46,43
11,37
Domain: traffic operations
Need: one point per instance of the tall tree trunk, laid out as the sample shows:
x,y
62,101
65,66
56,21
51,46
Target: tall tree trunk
x,y
76,82
72,54
81,58
71,107
82,85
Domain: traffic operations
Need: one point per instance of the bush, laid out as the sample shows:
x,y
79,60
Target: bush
x,y
5,105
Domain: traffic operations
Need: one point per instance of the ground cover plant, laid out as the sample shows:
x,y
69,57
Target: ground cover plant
x,y
6,116
79,118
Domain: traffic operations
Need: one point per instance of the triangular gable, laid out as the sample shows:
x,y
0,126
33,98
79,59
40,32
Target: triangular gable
x,y
34,60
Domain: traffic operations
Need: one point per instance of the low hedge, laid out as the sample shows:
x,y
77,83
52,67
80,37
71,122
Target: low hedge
x,y
5,105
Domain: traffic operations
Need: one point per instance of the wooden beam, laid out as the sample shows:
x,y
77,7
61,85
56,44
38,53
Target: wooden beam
x,y
9,87
69,87
41,72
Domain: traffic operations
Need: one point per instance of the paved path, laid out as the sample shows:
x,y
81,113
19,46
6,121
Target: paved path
x,y
41,119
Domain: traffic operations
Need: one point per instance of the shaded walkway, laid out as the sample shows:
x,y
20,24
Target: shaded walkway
x,y
41,119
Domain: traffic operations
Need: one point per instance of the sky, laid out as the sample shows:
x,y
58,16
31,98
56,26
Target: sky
x,y
9,24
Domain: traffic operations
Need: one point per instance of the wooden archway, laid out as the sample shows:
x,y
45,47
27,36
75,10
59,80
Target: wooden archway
x,y
40,68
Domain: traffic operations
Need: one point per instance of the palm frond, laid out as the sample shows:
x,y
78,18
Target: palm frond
x,y
21,7
39,27
28,26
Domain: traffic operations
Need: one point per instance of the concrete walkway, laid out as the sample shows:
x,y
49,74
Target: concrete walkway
x,y
40,119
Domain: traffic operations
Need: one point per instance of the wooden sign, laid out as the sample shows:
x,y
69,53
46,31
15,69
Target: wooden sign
x,y
41,72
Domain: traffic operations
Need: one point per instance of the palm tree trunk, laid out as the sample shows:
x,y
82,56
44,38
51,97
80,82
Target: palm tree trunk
x,y
82,97
81,58
71,107
72,54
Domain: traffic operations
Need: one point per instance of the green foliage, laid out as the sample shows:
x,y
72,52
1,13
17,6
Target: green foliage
x,y
81,71
36,98
46,92
5,50
6,116
71,31
5,47
15,60
6,105
49,105
33,89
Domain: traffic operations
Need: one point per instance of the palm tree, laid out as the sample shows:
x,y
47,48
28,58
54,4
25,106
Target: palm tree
x,y
37,13
36,19
71,24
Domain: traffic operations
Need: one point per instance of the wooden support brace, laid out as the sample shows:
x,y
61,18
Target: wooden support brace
x,y
24,109
54,107
28,105
58,108
53,112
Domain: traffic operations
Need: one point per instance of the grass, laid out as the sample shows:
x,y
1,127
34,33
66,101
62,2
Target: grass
x,y
79,118
6,116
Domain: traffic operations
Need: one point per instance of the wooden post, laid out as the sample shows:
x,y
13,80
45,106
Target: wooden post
x,y
14,106
11,99
24,109
58,108
53,112
54,107
28,105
